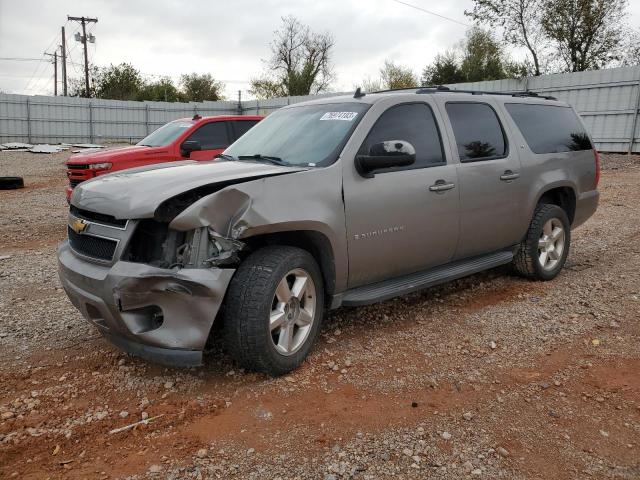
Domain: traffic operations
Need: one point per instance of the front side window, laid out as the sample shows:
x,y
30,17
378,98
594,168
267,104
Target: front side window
x,y
211,136
309,135
477,130
549,128
165,134
413,123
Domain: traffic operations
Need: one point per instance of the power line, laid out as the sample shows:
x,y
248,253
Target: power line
x,y
432,13
20,59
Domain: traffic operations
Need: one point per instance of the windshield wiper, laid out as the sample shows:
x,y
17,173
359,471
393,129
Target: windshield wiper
x,y
268,158
225,156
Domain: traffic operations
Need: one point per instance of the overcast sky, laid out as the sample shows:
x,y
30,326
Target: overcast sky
x,y
225,38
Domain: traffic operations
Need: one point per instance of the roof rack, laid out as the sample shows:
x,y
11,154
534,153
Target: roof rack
x,y
445,89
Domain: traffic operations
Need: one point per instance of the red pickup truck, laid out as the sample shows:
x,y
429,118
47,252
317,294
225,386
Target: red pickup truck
x,y
197,138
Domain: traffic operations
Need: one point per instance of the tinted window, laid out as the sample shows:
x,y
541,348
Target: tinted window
x,y
477,130
211,136
413,123
549,128
242,126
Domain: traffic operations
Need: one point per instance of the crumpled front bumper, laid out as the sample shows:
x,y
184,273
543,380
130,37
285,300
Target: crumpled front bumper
x,y
162,315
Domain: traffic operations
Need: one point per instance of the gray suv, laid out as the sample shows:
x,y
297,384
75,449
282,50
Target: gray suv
x,y
341,201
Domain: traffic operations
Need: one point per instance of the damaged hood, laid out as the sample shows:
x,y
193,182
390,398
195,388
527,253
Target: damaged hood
x,y
136,193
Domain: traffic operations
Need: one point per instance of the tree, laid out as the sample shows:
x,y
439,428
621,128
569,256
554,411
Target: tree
x,y
299,64
631,57
444,69
119,82
479,57
482,57
391,76
397,76
199,88
162,90
587,34
520,22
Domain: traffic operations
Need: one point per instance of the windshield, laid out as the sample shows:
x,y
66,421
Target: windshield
x,y
165,134
310,135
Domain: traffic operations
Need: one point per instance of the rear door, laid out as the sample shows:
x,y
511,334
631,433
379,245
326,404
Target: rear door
x,y
405,219
214,138
492,195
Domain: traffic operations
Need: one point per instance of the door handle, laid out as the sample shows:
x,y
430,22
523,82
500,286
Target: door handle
x,y
509,175
441,186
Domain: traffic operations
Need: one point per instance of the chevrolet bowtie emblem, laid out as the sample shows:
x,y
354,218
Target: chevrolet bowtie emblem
x,y
79,226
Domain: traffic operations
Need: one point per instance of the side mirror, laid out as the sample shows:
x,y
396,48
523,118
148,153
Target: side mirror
x,y
189,146
389,154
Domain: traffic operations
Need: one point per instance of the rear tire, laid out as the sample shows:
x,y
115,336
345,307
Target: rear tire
x,y
544,250
273,309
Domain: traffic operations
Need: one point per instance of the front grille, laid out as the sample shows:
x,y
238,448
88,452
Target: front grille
x,y
98,217
91,246
74,183
72,166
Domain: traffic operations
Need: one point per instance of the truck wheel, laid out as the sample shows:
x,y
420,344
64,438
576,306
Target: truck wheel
x,y
541,255
273,309
11,183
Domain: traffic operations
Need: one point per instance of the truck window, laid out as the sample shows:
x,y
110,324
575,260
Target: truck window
x,y
414,123
549,128
477,130
242,126
211,136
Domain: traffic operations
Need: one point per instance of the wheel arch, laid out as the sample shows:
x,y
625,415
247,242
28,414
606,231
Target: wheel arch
x,y
562,195
313,241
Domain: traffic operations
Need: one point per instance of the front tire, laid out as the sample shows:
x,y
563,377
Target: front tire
x,y
543,252
273,309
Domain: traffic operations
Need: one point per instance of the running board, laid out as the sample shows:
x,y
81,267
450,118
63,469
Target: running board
x,y
377,292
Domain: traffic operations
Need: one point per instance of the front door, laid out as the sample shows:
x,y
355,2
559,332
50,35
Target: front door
x,y
491,191
213,138
403,219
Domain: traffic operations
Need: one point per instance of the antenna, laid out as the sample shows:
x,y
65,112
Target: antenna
x,y
358,93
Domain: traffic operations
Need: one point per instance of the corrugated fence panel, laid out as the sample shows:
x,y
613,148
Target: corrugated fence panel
x,y
607,100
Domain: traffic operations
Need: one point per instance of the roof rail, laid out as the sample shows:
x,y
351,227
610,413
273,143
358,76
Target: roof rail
x,y
442,88
445,89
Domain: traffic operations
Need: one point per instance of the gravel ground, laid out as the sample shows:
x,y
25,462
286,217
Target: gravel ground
x,y
491,376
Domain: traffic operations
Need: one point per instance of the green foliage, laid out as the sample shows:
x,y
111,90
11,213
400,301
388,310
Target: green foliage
x,y
397,76
201,87
444,69
391,76
520,24
479,57
118,82
569,35
299,63
162,90
587,34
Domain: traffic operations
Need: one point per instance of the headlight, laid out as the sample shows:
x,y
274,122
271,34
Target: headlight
x,y
99,166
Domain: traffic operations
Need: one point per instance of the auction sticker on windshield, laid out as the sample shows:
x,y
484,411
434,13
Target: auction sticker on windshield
x,y
347,116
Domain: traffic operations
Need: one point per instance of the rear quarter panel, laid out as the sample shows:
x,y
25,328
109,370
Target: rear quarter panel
x,y
543,172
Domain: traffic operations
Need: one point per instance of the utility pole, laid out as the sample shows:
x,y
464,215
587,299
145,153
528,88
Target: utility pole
x,y
55,71
63,55
83,39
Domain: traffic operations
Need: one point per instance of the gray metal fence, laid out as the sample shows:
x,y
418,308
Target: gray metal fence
x,y
607,100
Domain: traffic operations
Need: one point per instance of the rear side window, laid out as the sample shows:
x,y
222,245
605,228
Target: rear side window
x,y
242,126
414,123
477,130
211,136
549,128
